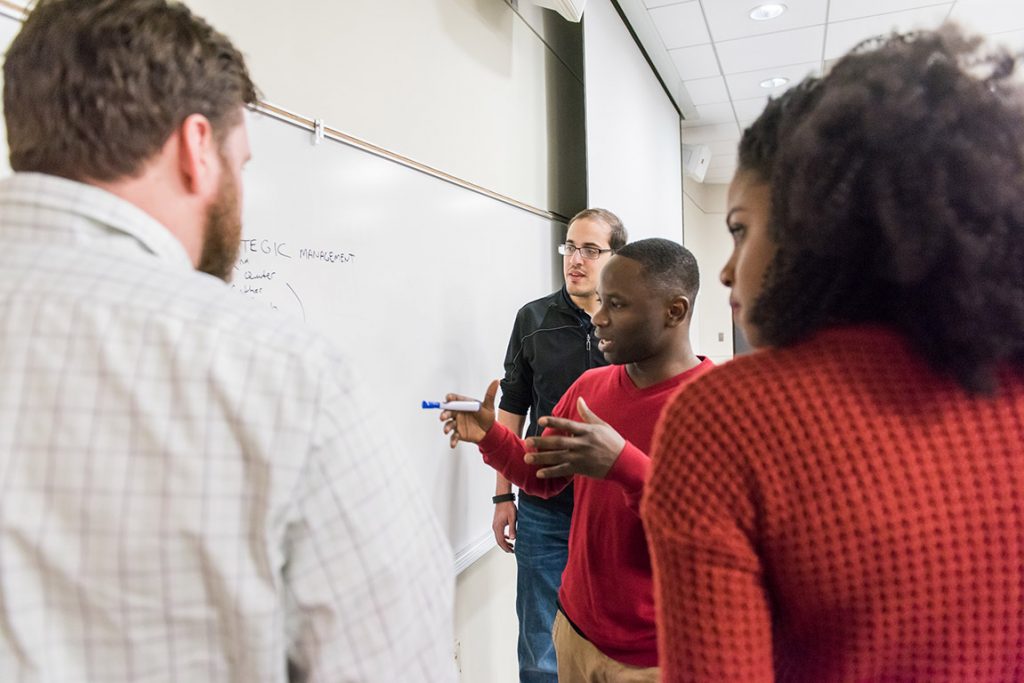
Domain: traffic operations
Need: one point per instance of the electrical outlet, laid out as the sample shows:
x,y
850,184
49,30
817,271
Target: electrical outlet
x,y
721,336
458,656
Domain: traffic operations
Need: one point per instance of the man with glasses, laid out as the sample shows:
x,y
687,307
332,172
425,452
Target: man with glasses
x,y
552,344
597,439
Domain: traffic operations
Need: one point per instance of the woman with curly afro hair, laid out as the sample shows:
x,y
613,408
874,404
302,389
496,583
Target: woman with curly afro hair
x,y
847,503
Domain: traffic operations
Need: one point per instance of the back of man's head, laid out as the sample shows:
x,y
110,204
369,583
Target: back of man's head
x,y
94,88
669,267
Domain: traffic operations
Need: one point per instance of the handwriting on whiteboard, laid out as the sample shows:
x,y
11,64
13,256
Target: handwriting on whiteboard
x,y
263,266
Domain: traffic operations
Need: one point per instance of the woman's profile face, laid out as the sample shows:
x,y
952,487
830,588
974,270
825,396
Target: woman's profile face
x,y
749,210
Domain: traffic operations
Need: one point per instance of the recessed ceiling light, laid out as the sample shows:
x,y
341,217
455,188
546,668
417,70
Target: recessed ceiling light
x,y
767,11
774,82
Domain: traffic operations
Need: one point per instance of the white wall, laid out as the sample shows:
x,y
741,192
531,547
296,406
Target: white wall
x,y
634,165
708,239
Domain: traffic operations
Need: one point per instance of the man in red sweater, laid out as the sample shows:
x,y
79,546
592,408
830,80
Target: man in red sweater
x,y
605,628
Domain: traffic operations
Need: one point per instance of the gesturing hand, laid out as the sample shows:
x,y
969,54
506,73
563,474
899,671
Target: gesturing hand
x,y
591,449
471,427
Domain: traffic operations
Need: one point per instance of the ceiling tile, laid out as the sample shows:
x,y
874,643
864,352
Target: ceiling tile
x,y
989,16
748,109
720,112
1011,39
707,90
681,25
844,35
723,161
842,10
723,146
718,177
695,62
705,134
775,49
661,3
729,19
748,84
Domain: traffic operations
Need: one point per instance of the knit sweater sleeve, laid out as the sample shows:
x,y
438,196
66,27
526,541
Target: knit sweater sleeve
x,y
700,514
630,472
505,451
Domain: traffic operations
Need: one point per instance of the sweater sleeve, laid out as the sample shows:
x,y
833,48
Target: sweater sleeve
x,y
699,512
630,472
504,451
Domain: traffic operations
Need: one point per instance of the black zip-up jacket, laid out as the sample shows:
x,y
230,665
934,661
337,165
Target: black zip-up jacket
x,y
552,344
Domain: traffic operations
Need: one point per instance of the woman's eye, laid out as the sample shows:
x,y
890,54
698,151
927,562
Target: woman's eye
x,y
737,230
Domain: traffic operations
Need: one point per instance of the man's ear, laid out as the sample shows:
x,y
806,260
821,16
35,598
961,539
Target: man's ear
x,y
678,310
197,155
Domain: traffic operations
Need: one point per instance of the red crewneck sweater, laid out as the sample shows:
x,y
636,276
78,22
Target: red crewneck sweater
x,y
607,589
837,511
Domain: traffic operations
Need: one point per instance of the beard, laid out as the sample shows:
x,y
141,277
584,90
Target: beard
x,y
223,229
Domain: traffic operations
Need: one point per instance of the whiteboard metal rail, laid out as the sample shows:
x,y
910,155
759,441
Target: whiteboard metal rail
x,y
314,126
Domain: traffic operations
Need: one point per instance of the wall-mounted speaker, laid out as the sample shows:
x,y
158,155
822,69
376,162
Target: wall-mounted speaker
x,y
696,159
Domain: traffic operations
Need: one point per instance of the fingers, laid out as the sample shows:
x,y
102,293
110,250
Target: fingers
x,y
489,395
542,458
587,414
499,538
551,443
563,425
492,391
563,470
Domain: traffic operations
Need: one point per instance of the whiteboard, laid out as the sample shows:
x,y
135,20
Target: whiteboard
x,y
417,281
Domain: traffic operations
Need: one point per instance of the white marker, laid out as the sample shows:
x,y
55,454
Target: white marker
x,y
457,406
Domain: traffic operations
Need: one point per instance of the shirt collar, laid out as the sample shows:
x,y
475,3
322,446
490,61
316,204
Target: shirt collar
x,y
567,300
55,196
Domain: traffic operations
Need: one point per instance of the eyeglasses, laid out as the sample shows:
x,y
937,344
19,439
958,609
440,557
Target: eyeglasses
x,y
589,253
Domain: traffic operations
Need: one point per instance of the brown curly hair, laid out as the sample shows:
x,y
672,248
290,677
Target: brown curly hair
x,y
897,185
93,88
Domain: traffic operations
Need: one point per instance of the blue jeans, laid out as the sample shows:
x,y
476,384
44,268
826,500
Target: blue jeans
x,y
541,550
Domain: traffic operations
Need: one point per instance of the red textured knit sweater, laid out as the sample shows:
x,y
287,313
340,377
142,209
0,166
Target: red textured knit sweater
x,y
607,589
836,511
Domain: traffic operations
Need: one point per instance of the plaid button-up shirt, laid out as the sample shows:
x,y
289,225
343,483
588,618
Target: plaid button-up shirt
x,y
190,487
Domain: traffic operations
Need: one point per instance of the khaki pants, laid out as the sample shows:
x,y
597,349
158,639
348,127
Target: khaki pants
x,y
580,662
